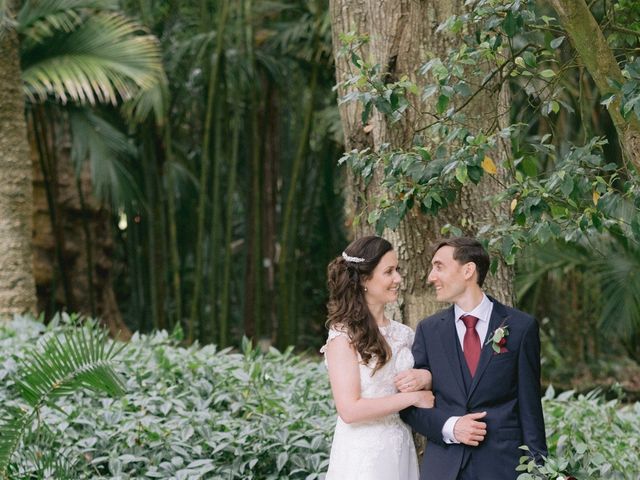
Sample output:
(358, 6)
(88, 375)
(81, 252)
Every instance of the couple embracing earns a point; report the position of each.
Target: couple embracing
(469, 379)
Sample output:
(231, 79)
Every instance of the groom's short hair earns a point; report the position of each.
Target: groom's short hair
(465, 250)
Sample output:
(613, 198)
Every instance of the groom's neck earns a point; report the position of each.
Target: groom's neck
(471, 298)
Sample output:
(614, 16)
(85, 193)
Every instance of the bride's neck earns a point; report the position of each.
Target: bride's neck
(377, 311)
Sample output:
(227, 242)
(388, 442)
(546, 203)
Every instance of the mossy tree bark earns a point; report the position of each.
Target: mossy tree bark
(596, 55)
(402, 37)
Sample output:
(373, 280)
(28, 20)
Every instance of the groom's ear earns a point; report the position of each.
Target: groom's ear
(469, 270)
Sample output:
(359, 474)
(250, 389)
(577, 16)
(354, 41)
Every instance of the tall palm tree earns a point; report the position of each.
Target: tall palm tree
(80, 54)
(17, 287)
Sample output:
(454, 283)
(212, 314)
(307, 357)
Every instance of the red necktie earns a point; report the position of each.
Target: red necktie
(471, 343)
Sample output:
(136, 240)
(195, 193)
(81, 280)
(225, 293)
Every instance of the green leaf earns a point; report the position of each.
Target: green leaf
(530, 166)
(556, 42)
(429, 91)
(510, 24)
(548, 73)
(530, 59)
(443, 102)
(462, 174)
(103, 60)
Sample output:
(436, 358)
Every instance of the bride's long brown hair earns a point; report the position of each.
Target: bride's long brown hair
(347, 309)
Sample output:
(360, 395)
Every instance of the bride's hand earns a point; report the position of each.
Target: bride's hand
(424, 399)
(413, 380)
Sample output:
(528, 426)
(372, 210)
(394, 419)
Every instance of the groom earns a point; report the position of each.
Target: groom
(485, 361)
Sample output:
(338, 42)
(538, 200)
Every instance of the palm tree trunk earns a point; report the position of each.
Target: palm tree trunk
(148, 230)
(287, 249)
(17, 285)
(88, 245)
(253, 315)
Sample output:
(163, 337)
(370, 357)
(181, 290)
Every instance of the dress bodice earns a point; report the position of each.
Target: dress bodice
(379, 449)
(400, 338)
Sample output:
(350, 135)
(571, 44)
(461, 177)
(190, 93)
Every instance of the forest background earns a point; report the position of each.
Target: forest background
(193, 166)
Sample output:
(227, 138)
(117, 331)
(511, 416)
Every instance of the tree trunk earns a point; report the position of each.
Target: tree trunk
(17, 285)
(402, 34)
(594, 51)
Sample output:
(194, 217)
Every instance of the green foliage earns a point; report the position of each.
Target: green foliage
(629, 91)
(563, 177)
(80, 50)
(207, 413)
(61, 363)
(588, 437)
(190, 412)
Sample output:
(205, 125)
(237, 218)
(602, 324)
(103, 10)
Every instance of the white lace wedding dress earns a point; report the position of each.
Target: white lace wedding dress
(380, 449)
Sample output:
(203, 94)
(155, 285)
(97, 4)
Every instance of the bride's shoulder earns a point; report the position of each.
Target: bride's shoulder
(336, 330)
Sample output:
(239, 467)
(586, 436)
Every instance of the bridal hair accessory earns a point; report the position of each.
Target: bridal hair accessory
(351, 259)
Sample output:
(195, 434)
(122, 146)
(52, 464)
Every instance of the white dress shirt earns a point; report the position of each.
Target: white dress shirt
(483, 313)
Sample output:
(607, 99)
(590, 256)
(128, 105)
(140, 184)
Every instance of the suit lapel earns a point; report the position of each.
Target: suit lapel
(449, 337)
(498, 316)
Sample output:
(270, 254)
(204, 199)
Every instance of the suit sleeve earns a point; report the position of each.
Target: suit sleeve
(426, 421)
(529, 397)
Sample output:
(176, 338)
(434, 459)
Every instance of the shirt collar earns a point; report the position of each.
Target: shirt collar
(481, 312)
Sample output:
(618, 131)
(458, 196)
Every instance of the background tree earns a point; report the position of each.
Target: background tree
(382, 71)
(17, 286)
(572, 184)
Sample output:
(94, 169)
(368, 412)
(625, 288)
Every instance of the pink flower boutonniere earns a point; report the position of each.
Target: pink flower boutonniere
(498, 339)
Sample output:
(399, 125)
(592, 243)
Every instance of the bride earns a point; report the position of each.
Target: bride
(370, 367)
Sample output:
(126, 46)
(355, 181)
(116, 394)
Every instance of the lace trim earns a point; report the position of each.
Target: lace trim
(333, 333)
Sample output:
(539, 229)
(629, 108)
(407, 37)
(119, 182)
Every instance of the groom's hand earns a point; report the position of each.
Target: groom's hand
(469, 430)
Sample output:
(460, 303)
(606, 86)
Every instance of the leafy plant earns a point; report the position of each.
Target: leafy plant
(60, 364)
(191, 412)
(588, 437)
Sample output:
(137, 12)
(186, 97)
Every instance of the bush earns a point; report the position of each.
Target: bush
(202, 413)
(588, 438)
(189, 412)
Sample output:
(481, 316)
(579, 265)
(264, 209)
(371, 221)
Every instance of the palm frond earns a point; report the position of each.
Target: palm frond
(151, 100)
(37, 17)
(42, 458)
(620, 274)
(104, 60)
(13, 423)
(76, 359)
(105, 147)
(38, 20)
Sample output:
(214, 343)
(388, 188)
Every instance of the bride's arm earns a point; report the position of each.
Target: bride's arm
(344, 375)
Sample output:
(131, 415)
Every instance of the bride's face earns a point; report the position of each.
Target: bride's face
(384, 284)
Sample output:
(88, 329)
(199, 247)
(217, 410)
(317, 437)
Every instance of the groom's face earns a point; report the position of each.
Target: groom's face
(447, 275)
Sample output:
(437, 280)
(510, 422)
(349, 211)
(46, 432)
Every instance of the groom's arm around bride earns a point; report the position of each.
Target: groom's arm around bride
(484, 358)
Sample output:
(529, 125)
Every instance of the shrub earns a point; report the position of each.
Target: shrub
(588, 438)
(190, 412)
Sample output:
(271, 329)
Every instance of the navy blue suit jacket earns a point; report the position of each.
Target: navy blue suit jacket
(506, 386)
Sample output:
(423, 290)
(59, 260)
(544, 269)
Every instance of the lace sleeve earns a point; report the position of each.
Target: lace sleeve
(333, 333)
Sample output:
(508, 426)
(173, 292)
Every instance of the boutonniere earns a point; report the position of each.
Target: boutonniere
(498, 339)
